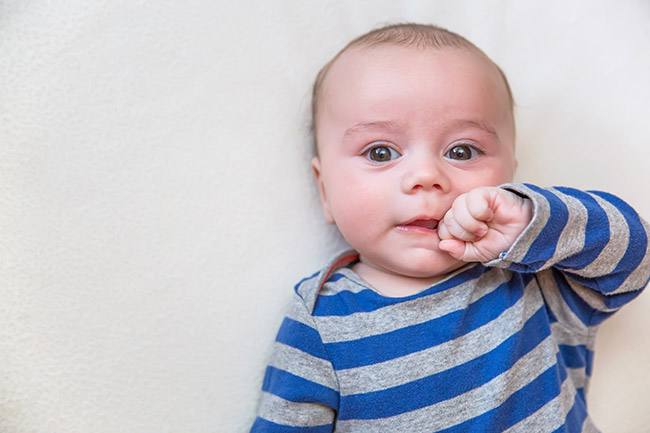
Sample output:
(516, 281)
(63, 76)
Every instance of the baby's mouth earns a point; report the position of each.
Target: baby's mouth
(419, 224)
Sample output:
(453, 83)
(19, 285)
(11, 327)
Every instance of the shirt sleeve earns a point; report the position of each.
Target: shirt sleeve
(300, 392)
(592, 246)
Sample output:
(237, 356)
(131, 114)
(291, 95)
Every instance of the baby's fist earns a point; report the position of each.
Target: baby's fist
(483, 223)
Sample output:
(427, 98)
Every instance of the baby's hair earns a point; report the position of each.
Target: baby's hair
(403, 35)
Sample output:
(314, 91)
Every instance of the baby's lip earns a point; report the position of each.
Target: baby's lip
(423, 222)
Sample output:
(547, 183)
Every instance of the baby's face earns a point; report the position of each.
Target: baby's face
(401, 133)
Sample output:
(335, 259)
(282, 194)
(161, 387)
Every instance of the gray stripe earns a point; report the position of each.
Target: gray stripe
(551, 415)
(566, 335)
(519, 248)
(468, 405)
(281, 411)
(354, 284)
(578, 377)
(302, 364)
(309, 289)
(425, 363)
(572, 238)
(365, 324)
(593, 298)
(555, 301)
(638, 278)
(589, 427)
(619, 238)
(299, 312)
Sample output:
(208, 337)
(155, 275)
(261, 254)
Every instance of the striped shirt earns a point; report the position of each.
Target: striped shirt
(501, 346)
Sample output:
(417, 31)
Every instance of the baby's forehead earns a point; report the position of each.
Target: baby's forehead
(355, 55)
(356, 61)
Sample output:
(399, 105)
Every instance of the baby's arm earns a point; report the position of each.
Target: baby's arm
(593, 244)
(483, 223)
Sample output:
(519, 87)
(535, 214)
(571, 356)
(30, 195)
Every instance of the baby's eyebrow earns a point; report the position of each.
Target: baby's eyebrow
(371, 126)
(475, 123)
(390, 125)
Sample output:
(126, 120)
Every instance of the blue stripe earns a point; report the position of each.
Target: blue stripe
(596, 230)
(449, 383)
(590, 362)
(519, 406)
(574, 356)
(588, 315)
(297, 389)
(296, 288)
(334, 278)
(264, 426)
(544, 246)
(636, 248)
(302, 337)
(411, 339)
(346, 302)
(549, 313)
(579, 307)
(612, 301)
(576, 416)
(615, 302)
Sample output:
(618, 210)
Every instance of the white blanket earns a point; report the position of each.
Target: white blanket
(157, 205)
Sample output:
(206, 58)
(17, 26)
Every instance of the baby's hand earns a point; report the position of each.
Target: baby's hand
(483, 223)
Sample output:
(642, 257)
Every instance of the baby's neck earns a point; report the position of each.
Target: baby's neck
(394, 285)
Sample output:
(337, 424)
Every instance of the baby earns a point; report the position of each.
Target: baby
(469, 303)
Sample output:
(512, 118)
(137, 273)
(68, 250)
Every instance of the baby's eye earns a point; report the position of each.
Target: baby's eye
(382, 154)
(462, 152)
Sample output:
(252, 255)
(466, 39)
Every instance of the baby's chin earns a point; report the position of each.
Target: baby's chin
(427, 274)
(423, 263)
(422, 271)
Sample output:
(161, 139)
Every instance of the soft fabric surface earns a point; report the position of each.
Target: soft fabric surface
(157, 206)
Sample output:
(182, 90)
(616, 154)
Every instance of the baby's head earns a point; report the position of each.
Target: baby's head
(410, 35)
(406, 118)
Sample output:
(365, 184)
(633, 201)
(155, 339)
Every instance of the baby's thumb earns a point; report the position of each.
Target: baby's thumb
(453, 247)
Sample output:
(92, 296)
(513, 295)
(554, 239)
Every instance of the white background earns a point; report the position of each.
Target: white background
(156, 204)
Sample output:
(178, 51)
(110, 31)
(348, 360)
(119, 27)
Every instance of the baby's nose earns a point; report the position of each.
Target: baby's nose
(425, 174)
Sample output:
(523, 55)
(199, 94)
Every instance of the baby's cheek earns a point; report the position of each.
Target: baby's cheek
(356, 220)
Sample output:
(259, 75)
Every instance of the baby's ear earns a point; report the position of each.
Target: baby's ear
(327, 213)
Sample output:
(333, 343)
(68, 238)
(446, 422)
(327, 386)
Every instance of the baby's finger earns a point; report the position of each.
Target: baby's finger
(478, 202)
(443, 232)
(464, 220)
(458, 230)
